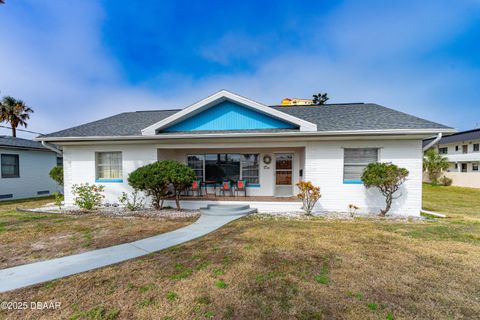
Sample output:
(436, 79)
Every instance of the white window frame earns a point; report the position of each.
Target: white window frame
(355, 181)
(97, 165)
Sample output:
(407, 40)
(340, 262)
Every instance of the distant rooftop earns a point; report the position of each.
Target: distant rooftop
(473, 134)
(19, 143)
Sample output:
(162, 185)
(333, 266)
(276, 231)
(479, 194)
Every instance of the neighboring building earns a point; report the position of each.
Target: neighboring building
(463, 152)
(297, 102)
(226, 136)
(25, 165)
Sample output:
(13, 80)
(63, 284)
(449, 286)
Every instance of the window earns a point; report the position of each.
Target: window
(109, 166)
(355, 161)
(232, 166)
(476, 147)
(443, 150)
(464, 167)
(474, 166)
(10, 166)
(222, 166)
(456, 148)
(196, 163)
(465, 148)
(60, 161)
(250, 171)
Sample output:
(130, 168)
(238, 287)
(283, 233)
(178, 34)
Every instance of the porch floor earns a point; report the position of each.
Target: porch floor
(211, 197)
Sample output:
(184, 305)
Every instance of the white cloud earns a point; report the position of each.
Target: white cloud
(58, 64)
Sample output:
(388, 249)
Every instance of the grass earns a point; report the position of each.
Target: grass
(27, 237)
(293, 269)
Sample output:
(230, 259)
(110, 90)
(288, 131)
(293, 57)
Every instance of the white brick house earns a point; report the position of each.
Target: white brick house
(226, 136)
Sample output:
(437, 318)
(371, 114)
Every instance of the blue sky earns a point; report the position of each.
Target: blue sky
(79, 61)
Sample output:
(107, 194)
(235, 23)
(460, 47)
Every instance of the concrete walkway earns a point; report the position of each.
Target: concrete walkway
(38, 272)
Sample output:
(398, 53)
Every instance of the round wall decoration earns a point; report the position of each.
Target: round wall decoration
(267, 159)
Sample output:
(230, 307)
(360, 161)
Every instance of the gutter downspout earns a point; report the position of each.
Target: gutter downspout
(46, 145)
(439, 136)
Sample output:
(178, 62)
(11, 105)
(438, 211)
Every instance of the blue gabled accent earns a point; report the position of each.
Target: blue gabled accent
(228, 115)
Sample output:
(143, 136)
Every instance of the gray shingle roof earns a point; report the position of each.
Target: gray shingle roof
(19, 143)
(123, 124)
(329, 117)
(468, 135)
(357, 116)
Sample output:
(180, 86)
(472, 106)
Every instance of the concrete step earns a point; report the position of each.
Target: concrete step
(227, 210)
(232, 207)
(228, 213)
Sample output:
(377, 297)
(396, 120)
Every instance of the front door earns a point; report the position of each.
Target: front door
(283, 174)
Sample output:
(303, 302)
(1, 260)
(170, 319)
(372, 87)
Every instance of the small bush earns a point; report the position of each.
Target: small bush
(352, 210)
(58, 199)
(57, 174)
(446, 181)
(88, 196)
(156, 179)
(137, 202)
(309, 194)
(387, 177)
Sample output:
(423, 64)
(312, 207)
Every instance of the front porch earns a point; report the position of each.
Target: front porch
(268, 174)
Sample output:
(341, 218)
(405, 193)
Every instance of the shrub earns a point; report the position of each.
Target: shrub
(352, 209)
(57, 174)
(156, 178)
(152, 180)
(434, 164)
(309, 194)
(88, 196)
(137, 202)
(58, 199)
(387, 177)
(179, 176)
(446, 181)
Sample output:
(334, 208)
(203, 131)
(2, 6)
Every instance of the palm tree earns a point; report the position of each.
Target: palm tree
(14, 112)
(434, 164)
(320, 98)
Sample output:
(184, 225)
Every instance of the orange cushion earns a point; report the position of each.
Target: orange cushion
(240, 184)
(226, 185)
(195, 184)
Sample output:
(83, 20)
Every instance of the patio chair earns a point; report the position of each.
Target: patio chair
(196, 187)
(226, 186)
(241, 186)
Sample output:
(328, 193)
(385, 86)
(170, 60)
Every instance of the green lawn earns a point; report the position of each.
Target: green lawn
(265, 268)
(27, 237)
(458, 203)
